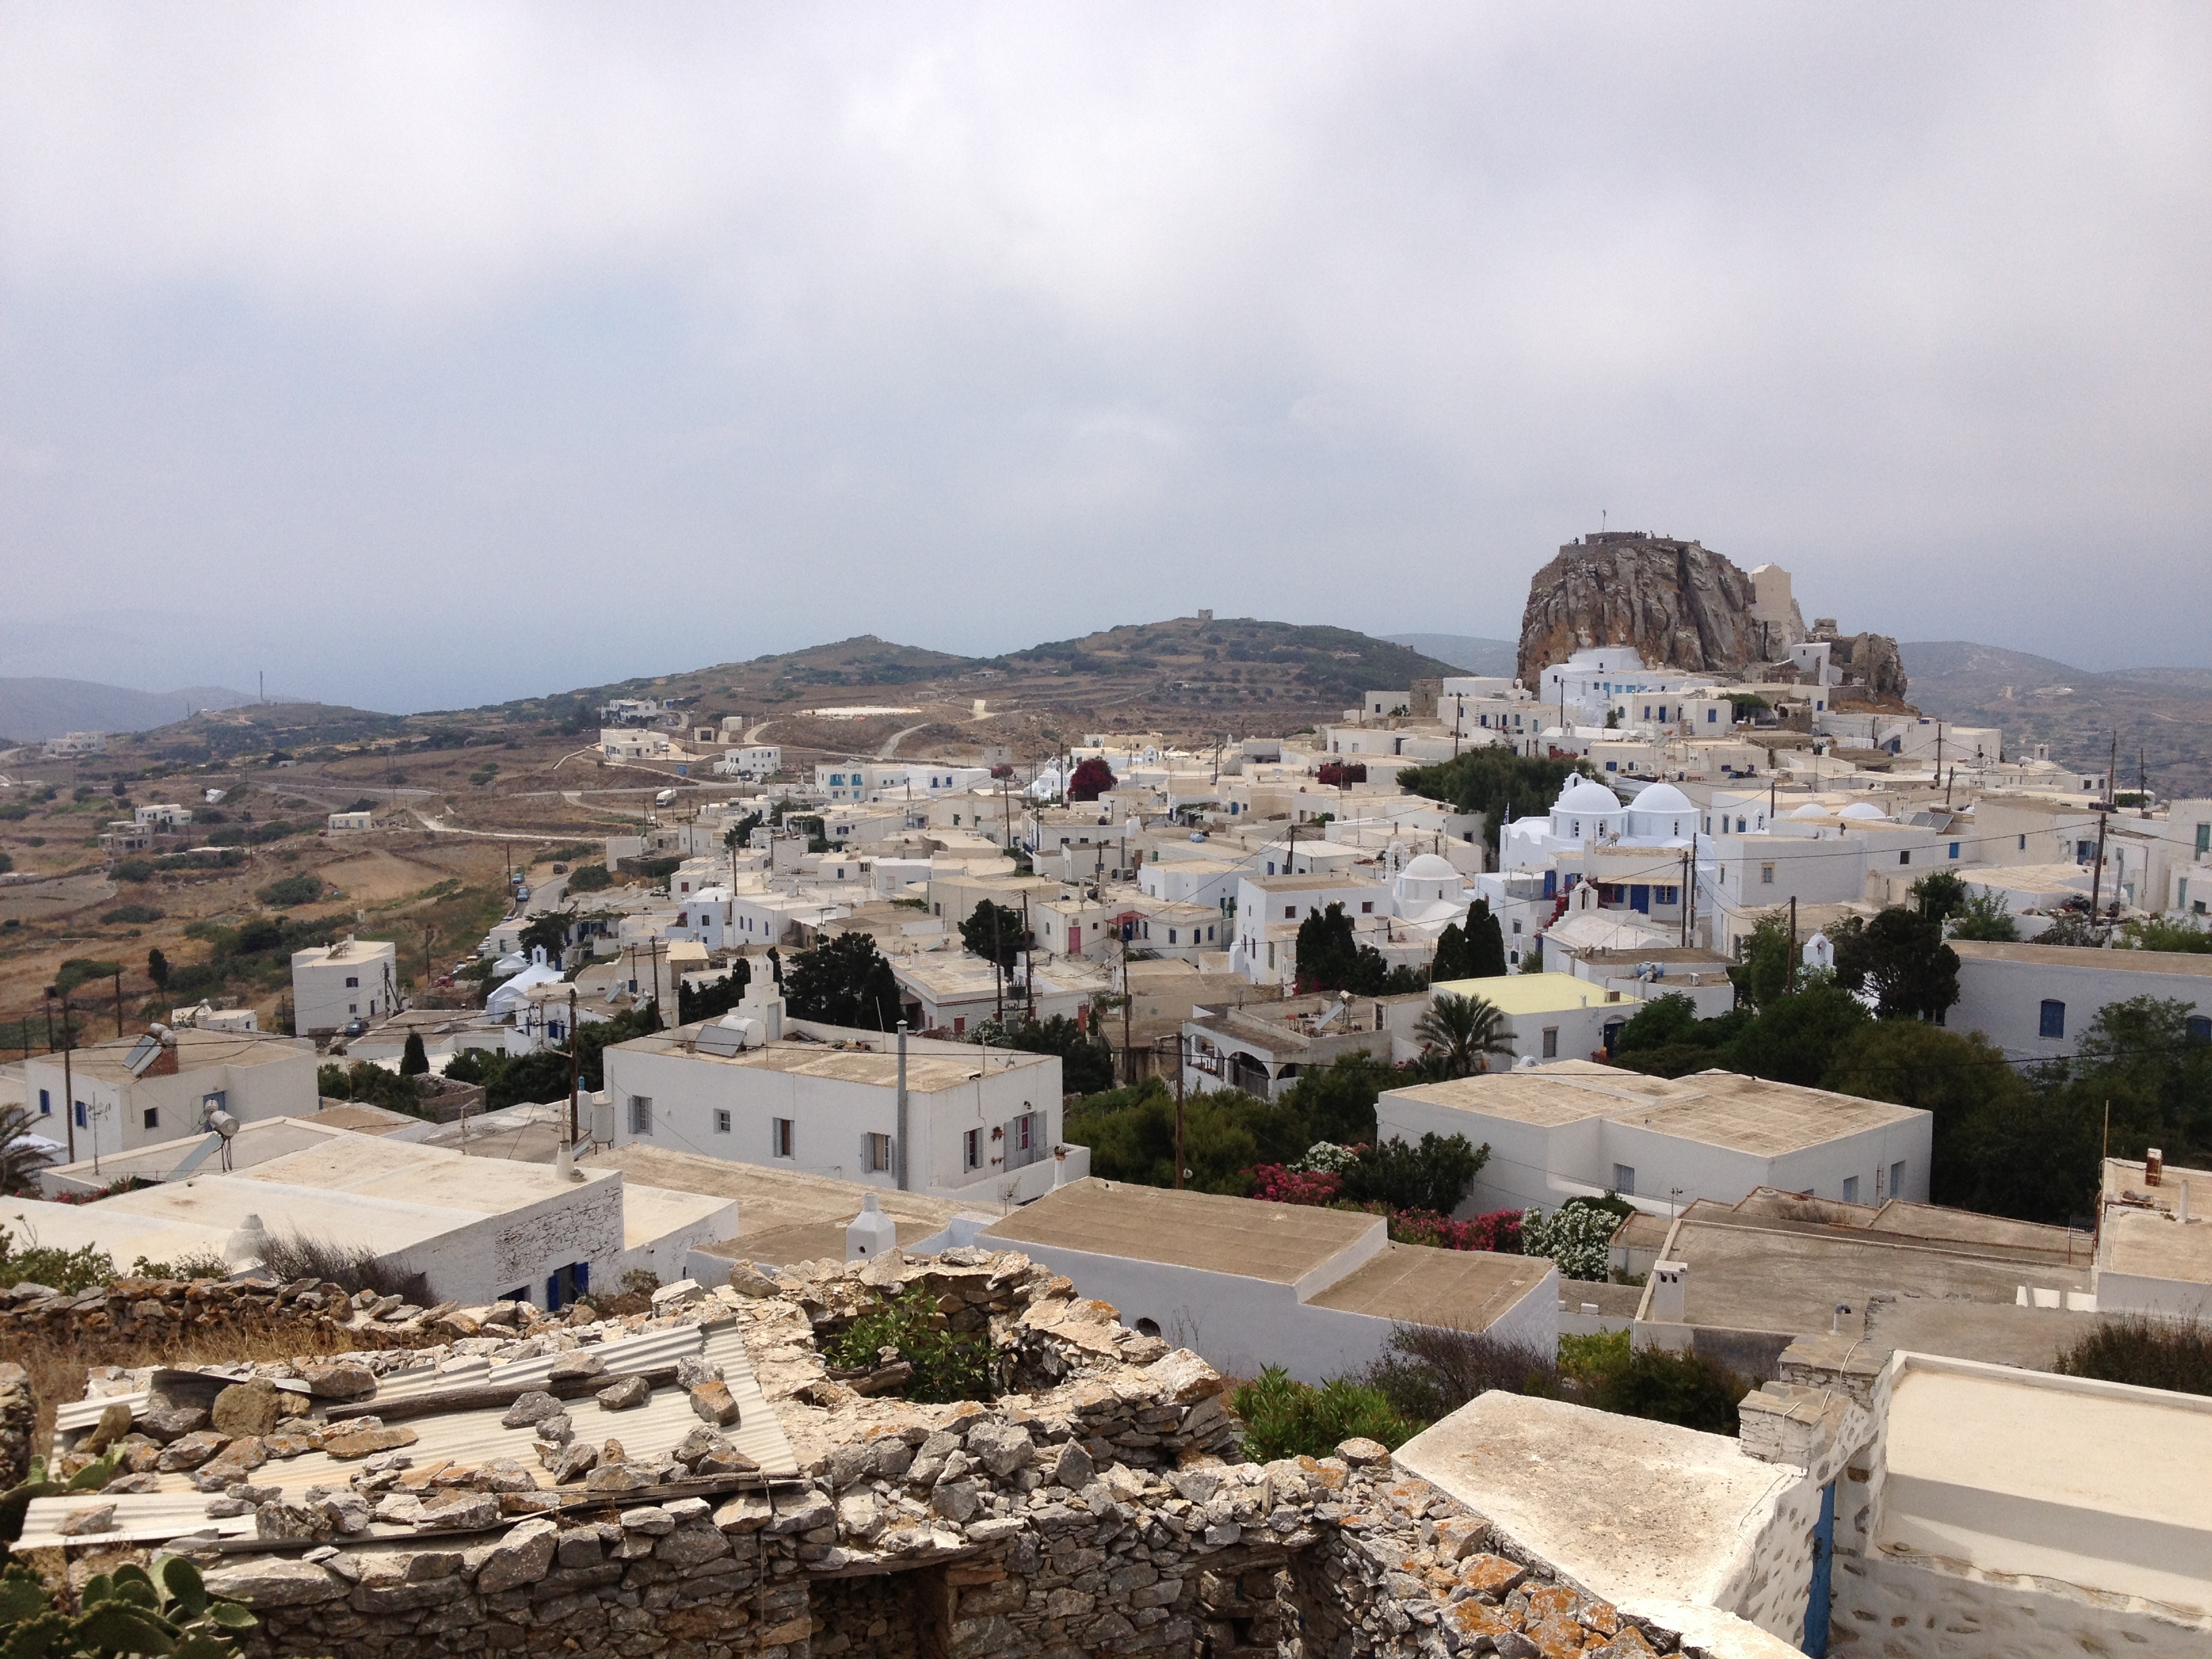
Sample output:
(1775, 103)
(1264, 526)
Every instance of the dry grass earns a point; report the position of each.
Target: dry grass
(59, 1367)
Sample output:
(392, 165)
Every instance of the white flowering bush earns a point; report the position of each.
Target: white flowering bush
(1578, 1239)
(1326, 1155)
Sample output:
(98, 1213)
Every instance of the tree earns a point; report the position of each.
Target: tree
(1330, 960)
(1434, 1176)
(1985, 916)
(157, 967)
(1959, 1077)
(1794, 1037)
(413, 1062)
(1452, 959)
(994, 932)
(550, 929)
(1940, 894)
(1131, 1135)
(1091, 778)
(1485, 941)
(844, 983)
(19, 1161)
(718, 998)
(1762, 971)
(1901, 957)
(1465, 1030)
(2157, 934)
(1086, 1060)
(1337, 1101)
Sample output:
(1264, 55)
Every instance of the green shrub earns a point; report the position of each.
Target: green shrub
(130, 916)
(589, 879)
(282, 895)
(131, 870)
(947, 1366)
(1283, 1418)
(71, 1271)
(83, 970)
(184, 1266)
(2148, 1355)
(1578, 1236)
(1665, 1386)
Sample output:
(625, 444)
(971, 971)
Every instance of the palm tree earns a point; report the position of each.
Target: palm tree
(1465, 1032)
(20, 1160)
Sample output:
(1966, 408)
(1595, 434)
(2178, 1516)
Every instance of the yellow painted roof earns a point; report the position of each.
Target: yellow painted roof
(1535, 993)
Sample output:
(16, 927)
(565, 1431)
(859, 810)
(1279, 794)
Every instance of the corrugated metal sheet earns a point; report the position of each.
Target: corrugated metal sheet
(470, 1437)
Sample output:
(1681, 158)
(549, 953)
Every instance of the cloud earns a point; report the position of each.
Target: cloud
(972, 325)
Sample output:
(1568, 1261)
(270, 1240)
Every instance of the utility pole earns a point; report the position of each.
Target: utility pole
(1128, 997)
(998, 961)
(69, 1081)
(2142, 780)
(1181, 1041)
(1028, 956)
(1793, 942)
(575, 1065)
(1683, 907)
(2097, 874)
(118, 1002)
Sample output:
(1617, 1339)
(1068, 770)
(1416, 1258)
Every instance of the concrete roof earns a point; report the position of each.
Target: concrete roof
(1716, 1108)
(1537, 993)
(925, 1073)
(1418, 1283)
(2139, 1231)
(194, 1049)
(2088, 955)
(783, 1216)
(1279, 1243)
(2096, 1484)
(1631, 1508)
(1341, 878)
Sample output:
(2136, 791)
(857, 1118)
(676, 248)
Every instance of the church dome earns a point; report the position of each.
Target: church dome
(1863, 810)
(1587, 795)
(1661, 798)
(1810, 810)
(1430, 867)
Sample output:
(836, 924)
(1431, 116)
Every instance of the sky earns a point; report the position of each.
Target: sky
(428, 355)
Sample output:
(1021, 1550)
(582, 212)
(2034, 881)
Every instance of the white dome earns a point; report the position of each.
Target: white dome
(1862, 809)
(1661, 798)
(1430, 867)
(1587, 795)
(1810, 810)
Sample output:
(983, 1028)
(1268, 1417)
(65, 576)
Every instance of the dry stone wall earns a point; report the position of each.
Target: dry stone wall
(1099, 1505)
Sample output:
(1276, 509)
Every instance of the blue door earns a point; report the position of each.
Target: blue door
(1824, 1556)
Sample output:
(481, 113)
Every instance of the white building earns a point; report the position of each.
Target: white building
(1246, 1284)
(333, 985)
(479, 1228)
(978, 1123)
(164, 817)
(350, 822)
(627, 744)
(130, 1092)
(1597, 679)
(1550, 1016)
(752, 760)
(1580, 1129)
(2036, 1001)
(75, 743)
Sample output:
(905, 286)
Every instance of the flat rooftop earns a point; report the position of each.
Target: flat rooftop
(2088, 955)
(195, 1050)
(1417, 1284)
(1629, 1507)
(783, 1216)
(1539, 994)
(925, 1073)
(2139, 1228)
(1278, 1243)
(2094, 1484)
(1715, 1108)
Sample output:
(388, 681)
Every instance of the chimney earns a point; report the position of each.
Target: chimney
(1668, 1282)
(2154, 1166)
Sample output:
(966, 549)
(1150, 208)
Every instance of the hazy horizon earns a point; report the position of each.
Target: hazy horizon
(426, 357)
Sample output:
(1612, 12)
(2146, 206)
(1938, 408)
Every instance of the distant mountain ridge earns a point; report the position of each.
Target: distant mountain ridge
(1469, 654)
(34, 708)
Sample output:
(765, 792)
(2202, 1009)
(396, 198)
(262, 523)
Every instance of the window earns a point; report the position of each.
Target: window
(1738, 825)
(2023, 843)
(153, 1117)
(353, 981)
(1897, 1177)
(81, 1119)
(971, 1150)
(1289, 911)
(2054, 1018)
(564, 1285)
(1711, 716)
(1624, 1179)
(876, 1153)
(2199, 1028)
(45, 1103)
(778, 1137)
(1550, 1042)
(1767, 875)
(1024, 1139)
(1850, 1190)
(1904, 857)
(721, 1123)
(1367, 907)
(640, 1114)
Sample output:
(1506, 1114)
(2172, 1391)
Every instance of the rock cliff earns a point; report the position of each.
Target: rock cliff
(1680, 606)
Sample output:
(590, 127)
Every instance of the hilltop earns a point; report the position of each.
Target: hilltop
(34, 707)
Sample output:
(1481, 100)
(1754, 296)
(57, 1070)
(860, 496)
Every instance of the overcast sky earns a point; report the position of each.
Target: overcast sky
(426, 356)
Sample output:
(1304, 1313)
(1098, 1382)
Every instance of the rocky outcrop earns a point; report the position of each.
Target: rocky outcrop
(1682, 605)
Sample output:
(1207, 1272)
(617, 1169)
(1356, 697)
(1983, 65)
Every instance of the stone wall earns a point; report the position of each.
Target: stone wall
(19, 1413)
(1100, 1507)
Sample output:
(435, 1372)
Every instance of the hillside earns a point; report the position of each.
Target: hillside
(1468, 654)
(2161, 717)
(33, 709)
(1235, 662)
